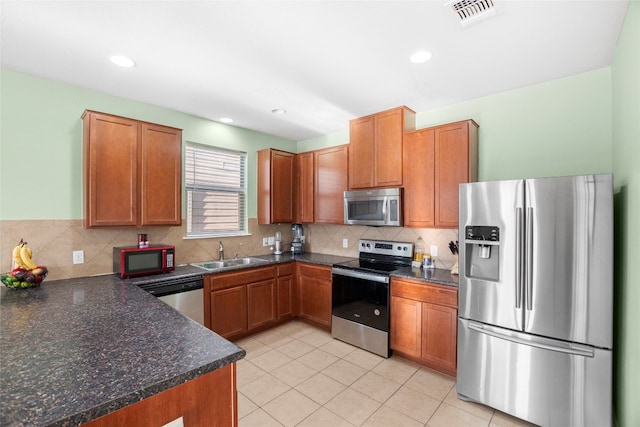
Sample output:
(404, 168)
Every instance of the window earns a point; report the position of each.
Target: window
(216, 192)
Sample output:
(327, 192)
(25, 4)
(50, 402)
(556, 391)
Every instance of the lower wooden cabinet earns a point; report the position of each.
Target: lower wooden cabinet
(261, 303)
(424, 323)
(209, 400)
(239, 303)
(228, 313)
(314, 293)
(285, 290)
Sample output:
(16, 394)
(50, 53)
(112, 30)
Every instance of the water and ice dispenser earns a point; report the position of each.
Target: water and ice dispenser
(482, 252)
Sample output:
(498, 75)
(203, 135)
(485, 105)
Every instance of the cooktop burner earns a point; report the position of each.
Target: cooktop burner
(381, 256)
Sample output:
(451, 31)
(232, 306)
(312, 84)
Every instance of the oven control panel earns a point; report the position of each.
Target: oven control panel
(383, 247)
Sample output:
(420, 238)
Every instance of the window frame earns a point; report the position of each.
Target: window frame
(194, 183)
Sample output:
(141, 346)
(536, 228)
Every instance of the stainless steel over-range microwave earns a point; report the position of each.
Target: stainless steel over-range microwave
(377, 207)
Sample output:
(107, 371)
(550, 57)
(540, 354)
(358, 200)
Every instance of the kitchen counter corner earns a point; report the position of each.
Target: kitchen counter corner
(74, 350)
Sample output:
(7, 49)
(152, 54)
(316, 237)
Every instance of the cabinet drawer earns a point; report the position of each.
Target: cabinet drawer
(285, 269)
(227, 280)
(320, 272)
(425, 292)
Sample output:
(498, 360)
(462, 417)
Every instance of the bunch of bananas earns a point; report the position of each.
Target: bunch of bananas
(25, 273)
(22, 256)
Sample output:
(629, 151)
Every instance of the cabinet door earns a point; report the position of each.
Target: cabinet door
(160, 175)
(261, 303)
(111, 170)
(406, 326)
(306, 188)
(229, 311)
(388, 148)
(418, 178)
(314, 284)
(330, 184)
(285, 297)
(454, 164)
(282, 179)
(439, 329)
(361, 152)
(275, 186)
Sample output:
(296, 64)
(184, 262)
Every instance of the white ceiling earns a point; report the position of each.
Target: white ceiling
(325, 62)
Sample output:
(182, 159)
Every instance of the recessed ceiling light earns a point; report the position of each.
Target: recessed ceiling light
(279, 111)
(122, 61)
(226, 120)
(420, 56)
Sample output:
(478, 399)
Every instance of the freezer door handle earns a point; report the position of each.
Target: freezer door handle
(518, 280)
(529, 254)
(569, 348)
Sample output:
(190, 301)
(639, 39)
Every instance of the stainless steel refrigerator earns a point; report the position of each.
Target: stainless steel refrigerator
(536, 298)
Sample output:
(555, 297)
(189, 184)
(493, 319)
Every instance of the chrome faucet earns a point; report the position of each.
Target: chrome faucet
(221, 251)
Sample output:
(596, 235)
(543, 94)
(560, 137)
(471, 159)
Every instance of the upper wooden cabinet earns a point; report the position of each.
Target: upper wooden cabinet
(306, 187)
(322, 181)
(330, 184)
(376, 156)
(436, 161)
(132, 172)
(276, 177)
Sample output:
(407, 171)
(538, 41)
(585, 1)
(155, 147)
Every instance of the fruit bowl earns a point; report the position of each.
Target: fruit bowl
(23, 279)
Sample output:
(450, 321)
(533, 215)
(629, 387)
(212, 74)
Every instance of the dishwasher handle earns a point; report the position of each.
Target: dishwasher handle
(173, 286)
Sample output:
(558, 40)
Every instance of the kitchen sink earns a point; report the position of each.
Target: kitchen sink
(215, 265)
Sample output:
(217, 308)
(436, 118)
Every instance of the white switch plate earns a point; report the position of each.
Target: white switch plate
(434, 250)
(265, 241)
(78, 257)
(272, 240)
(345, 243)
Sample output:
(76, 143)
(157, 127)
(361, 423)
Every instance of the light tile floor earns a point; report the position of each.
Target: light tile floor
(298, 375)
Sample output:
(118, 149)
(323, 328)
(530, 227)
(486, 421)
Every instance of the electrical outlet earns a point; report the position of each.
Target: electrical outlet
(271, 240)
(434, 250)
(265, 241)
(345, 243)
(78, 257)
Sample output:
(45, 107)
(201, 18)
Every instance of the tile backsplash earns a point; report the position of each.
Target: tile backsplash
(53, 243)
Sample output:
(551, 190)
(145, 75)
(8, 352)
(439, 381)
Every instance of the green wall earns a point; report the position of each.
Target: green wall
(41, 143)
(626, 167)
(561, 127)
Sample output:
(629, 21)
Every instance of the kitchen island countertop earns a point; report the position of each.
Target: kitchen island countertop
(76, 349)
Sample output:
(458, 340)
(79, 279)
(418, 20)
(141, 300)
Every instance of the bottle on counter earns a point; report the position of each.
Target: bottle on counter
(418, 253)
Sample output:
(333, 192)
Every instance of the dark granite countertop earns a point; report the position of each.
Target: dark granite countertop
(434, 275)
(322, 259)
(74, 350)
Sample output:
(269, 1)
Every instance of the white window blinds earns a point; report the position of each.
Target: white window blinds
(216, 191)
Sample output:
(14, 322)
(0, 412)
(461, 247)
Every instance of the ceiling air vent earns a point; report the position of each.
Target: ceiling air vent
(472, 10)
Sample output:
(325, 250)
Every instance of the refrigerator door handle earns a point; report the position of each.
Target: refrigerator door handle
(529, 266)
(518, 257)
(569, 348)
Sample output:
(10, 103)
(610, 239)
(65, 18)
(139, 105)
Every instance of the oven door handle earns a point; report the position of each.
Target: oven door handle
(360, 275)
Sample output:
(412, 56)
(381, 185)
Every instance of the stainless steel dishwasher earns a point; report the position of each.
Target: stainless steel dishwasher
(185, 294)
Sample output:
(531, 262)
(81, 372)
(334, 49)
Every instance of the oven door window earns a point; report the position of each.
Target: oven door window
(362, 301)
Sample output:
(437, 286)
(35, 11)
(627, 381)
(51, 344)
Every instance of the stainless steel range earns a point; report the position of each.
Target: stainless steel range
(360, 294)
